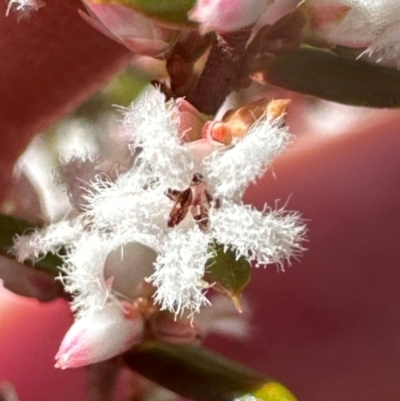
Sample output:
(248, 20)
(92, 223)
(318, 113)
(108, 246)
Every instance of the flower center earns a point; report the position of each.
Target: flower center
(195, 199)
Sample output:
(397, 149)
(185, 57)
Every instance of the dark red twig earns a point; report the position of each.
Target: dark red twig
(221, 73)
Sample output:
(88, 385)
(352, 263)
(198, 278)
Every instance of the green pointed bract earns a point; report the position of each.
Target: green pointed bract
(173, 12)
(229, 273)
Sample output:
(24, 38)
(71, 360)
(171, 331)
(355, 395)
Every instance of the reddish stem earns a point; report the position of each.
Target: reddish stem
(221, 73)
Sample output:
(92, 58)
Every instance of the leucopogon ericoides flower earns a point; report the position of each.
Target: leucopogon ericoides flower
(162, 216)
(370, 24)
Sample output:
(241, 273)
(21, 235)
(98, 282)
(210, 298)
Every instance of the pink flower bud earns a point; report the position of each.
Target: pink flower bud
(101, 335)
(227, 15)
(140, 34)
(236, 123)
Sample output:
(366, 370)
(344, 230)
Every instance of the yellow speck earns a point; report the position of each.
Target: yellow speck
(274, 392)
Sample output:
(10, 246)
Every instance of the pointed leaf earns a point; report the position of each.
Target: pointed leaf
(230, 275)
(202, 375)
(323, 74)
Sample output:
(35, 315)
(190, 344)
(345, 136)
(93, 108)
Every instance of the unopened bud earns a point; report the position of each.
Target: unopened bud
(101, 335)
(236, 123)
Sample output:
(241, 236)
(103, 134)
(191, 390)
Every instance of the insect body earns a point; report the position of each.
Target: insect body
(195, 199)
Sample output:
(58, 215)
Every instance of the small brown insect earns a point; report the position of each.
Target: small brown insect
(195, 199)
(183, 200)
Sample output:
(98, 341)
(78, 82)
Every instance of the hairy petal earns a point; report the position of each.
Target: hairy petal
(153, 126)
(84, 273)
(386, 47)
(231, 172)
(372, 24)
(262, 237)
(49, 239)
(179, 269)
(76, 174)
(132, 213)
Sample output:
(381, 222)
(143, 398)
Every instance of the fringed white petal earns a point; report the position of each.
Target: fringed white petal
(154, 127)
(262, 237)
(231, 172)
(84, 273)
(179, 269)
(49, 239)
(131, 213)
(386, 47)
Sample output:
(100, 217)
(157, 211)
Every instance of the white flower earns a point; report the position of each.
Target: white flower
(24, 7)
(204, 181)
(179, 269)
(370, 24)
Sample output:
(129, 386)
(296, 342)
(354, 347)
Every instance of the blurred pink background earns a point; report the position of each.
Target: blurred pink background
(328, 328)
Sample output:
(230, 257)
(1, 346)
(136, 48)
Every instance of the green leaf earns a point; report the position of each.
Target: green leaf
(231, 275)
(170, 11)
(324, 74)
(202, 375)
(11, 226)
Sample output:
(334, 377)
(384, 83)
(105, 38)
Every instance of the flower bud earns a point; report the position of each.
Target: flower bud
(140, 34)
(236, 123)
(103, 334)
(227, 15)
